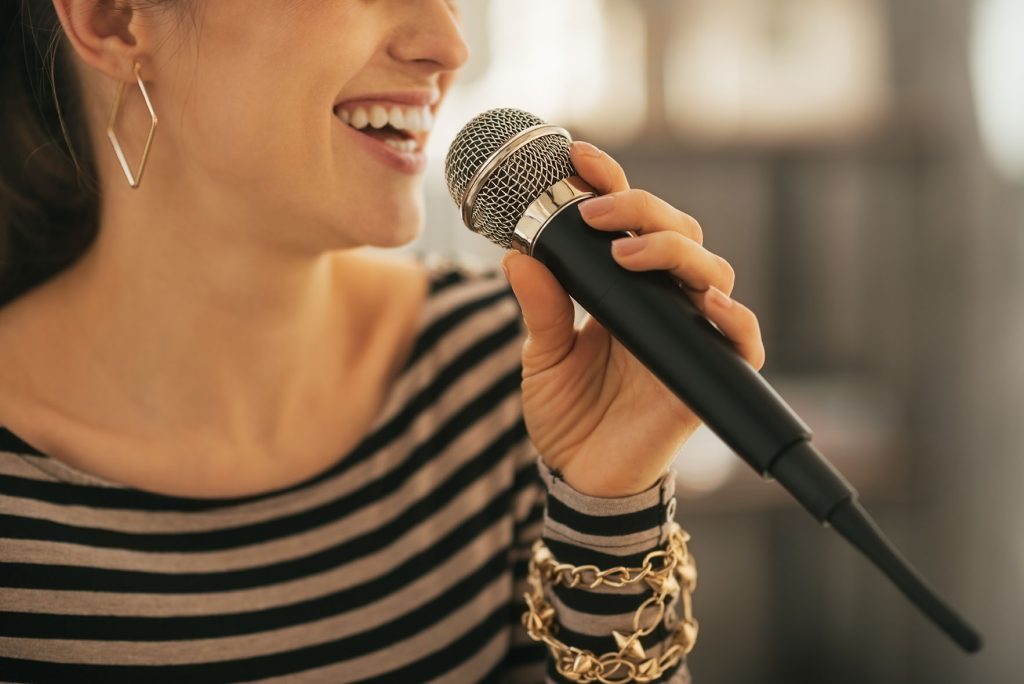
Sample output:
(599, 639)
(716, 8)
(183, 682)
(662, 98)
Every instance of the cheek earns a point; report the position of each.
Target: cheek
(246, 111)
(257, 126)
(270, 149)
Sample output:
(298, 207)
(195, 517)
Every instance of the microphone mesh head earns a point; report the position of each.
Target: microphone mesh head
(510, 187)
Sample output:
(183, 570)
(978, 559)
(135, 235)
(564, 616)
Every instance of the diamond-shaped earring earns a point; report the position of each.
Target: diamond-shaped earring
(133, 178)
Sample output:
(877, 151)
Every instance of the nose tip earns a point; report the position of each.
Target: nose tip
(460, 50)
(434, 36)
(449, 53)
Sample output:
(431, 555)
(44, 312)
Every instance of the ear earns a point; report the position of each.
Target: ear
(107, 35)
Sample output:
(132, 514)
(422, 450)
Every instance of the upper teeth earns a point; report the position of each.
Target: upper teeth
(414, 119)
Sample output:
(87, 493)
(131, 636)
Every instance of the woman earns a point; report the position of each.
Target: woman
(238, 447)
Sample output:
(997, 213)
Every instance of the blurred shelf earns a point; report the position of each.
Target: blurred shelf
(856, 425)
(903, 134)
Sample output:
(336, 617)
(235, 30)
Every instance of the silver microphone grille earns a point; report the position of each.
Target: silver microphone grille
(494, 193)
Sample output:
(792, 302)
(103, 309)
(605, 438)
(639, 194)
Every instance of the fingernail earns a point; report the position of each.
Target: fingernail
(596, 206)
(586, 149)
(718, 298)
(504, 263)
(626, 246)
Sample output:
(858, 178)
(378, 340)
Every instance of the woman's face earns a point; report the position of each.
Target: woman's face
(254, 113)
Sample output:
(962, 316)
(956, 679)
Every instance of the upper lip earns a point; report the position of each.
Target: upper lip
(413, 98)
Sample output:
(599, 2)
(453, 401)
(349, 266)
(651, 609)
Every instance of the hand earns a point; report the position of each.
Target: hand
(593, 411)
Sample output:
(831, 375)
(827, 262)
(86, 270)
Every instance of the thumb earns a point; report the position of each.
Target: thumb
(547, 312)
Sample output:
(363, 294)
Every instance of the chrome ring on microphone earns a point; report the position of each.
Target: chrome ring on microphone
(539, 213)
(522, 138)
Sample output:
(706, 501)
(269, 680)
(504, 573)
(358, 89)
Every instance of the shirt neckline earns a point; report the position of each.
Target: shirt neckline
(10, 442)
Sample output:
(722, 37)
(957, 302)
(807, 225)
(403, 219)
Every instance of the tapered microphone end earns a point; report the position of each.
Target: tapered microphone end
(852, 522)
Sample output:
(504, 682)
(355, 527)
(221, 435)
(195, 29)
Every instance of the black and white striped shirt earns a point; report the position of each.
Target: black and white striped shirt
(405, 561)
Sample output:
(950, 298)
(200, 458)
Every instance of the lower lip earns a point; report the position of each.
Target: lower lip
(410, 163)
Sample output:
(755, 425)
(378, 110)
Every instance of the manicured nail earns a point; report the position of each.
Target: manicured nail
(626, 246)
(596, 206)
(586, 149)
(718, 298)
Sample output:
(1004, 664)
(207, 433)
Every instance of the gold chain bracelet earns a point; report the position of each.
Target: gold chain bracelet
(668, 572)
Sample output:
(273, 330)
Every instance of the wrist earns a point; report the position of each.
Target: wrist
(609, 490)
(594, 488)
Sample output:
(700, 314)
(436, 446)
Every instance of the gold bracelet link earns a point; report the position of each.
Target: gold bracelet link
(669, 572)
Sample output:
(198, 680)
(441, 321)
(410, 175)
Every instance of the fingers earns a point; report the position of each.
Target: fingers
(685, 259)
(737, 322)
(667, 239)
(640, 211)
(599, 170)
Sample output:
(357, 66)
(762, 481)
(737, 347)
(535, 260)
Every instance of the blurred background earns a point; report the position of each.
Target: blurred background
(861, 164)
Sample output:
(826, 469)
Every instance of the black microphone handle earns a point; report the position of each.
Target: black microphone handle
(653, 318)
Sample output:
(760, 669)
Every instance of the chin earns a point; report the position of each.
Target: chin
(397, 227)
(394, 238)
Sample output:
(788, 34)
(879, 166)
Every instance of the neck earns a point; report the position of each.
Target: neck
(208, 331)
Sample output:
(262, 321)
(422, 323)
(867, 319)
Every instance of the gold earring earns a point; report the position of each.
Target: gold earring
(133, 179)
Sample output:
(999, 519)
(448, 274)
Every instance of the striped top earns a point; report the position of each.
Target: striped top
(404, 561)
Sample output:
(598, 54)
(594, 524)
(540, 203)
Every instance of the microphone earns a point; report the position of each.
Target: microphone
(510, 174)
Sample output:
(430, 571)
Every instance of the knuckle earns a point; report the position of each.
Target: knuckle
(745, 322)
(753, 327)
(639, 211)
(698, 232)
(728, 272)
(617, 168)
(750, 320)
(676, 243)
(644, 201)
(677, 240)
(563, 319)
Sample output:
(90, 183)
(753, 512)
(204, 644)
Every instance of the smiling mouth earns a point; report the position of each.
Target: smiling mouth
(402, 128)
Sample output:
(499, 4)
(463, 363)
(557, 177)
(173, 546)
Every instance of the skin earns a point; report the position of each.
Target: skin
(227, 309)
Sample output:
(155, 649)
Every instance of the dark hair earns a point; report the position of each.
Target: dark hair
(49, 191)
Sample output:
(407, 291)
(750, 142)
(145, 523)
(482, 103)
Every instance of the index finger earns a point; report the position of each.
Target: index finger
(599, 170)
